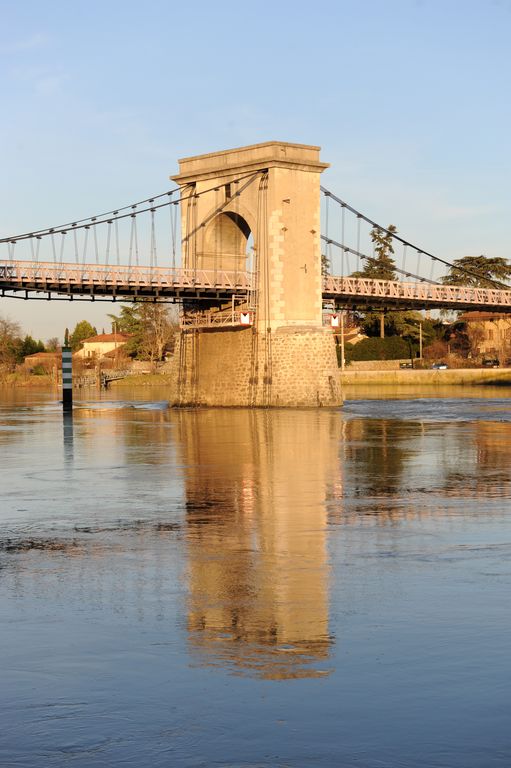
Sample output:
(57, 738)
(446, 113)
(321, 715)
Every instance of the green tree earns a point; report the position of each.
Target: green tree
(129, 321)
(391, 348)
(83, 330)
(30, 346)
(479, 272)
(381, 266)
(404, 324)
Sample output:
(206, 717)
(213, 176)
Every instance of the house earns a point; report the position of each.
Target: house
(99, 346)
(49, 361)
(489, 334)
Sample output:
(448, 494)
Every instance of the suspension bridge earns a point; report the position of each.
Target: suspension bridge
(246, 238)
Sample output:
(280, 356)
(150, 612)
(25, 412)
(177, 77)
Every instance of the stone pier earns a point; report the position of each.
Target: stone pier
(257, 208)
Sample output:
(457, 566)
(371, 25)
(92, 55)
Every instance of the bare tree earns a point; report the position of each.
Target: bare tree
(53, 344)
(10, 343)
(159, 331)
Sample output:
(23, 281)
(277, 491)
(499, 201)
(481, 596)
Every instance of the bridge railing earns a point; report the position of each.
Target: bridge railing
(216, 319)
(20, 273)
(179, 282)
(429, 293)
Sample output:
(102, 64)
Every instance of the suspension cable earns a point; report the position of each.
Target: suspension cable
(495, 283)
(372, 260)
(117, 214)
(90, 219)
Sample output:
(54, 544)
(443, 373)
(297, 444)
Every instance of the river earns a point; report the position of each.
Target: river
(251, 588)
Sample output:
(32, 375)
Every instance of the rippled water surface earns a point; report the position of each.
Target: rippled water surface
(255, 588)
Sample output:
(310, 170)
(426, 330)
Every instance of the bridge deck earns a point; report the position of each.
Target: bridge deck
(121, 281)
(95, 280)
(362, 292)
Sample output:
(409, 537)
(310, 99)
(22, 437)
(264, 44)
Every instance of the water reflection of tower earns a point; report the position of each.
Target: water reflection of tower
(256, 487)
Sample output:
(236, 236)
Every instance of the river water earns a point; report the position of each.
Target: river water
(256, 588)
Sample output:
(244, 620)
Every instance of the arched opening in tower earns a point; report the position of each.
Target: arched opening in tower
(228, 243)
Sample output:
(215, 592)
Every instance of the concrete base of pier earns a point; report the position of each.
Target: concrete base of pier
(293, 367)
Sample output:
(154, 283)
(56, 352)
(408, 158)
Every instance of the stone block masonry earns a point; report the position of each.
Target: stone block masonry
(304, 368)
(293, 367)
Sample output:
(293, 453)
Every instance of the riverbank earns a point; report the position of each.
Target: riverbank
(407, 377)
(143, 380)
(429, 378)
(17, 380)
(25, 380)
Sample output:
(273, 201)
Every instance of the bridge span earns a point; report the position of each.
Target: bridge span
(95, 281)
(254, 250)
(363, 293)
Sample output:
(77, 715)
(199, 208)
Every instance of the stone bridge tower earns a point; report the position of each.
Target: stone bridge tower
(257, 209)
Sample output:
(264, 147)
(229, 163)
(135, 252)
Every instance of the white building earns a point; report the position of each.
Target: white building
(99, 346)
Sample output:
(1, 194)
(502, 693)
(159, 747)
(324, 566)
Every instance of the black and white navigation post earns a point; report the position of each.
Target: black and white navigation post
(67, 379)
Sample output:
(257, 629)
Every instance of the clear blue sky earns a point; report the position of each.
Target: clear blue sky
(409, 100)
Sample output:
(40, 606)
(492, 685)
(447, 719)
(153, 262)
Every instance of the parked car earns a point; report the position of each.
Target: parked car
(439, 366)
(490, 363)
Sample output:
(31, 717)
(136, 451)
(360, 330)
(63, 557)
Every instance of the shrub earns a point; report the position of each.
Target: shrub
(390, 348)
(39, 370)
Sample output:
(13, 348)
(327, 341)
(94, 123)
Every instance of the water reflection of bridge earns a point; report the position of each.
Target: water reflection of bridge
(237, 515)
(251, 523)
